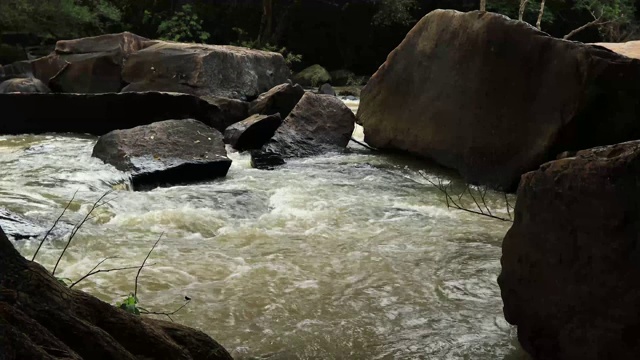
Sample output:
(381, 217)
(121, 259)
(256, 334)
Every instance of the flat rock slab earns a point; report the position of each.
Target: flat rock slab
(97, 114)
(216, 70)
(253, 132)
(165, 153)
(317, 125)
(494, 98)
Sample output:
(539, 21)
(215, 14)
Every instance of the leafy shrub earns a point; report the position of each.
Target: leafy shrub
(183, 26)
(243, 40)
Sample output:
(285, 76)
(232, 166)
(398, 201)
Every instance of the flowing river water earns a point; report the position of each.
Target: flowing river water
(343, 256)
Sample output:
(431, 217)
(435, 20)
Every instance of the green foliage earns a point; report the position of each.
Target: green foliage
(130, 304)
(616, 17)
(184, 26)
(391, 12)
(59, 18)
(243, 40)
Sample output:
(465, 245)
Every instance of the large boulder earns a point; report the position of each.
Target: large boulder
(43, 319)
(125, 43)
(168, 152)
(279, 100)
(87, 65)
(225, 71)
(253, 132)
(98, 114)
(570, 274)
(314, 75)
(317, 125)
(23, 85)
(495, 98)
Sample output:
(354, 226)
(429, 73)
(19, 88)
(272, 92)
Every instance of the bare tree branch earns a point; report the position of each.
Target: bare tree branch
(482, 210)
(597, 20)
(167, 314)
(135, 289)
(92, 272)
(54, 225)
(77, 227)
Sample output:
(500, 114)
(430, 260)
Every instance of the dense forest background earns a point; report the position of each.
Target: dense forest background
(355, 35)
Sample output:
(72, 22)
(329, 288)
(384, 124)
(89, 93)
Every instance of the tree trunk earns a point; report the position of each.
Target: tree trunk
(523, 7)
(539, 22)
(483, 5)
(266, 24)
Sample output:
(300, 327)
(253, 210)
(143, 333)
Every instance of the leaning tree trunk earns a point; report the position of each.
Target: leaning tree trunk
(266, 24)
(523, 7)
(43, 319)
(539, 22)
(483, 5)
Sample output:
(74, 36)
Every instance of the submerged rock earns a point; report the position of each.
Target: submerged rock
(495, 98)
(18, 227)
(570, 275)
(165, 153)
(43, 319)
(216, 70)
(98, 114)
(314, 75)
(317, 125)
(23, 85)
(280, 99)
(253, 132)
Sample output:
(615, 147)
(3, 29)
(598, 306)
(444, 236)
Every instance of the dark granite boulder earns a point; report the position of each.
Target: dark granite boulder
(165, 153)
(253, 132)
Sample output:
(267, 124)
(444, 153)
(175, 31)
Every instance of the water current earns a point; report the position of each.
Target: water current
(342, 256)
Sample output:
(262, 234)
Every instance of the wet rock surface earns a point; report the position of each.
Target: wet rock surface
(165, 153)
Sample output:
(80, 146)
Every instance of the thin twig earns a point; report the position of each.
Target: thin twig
(451, 203)
(135, 289)
(91, 273)
(76, 228)
(167, 314)
(506, 199)
(54, 225)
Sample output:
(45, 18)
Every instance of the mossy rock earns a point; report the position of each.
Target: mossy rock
(314, 75)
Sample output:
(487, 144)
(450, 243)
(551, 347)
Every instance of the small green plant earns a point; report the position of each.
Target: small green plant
(290, 58)
(130, 304)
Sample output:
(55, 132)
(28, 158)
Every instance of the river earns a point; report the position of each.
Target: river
(343, 256)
